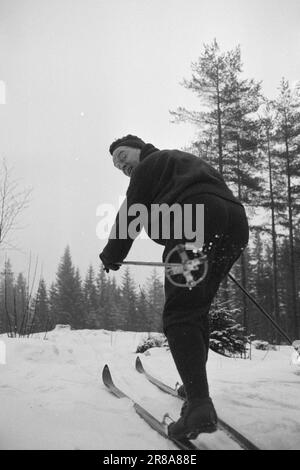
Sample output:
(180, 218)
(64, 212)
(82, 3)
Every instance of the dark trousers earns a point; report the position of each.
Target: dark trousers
(185, 315)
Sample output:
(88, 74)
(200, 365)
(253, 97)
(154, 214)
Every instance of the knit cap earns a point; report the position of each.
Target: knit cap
(129, 141)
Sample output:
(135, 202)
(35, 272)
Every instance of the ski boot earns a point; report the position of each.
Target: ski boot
(197, 417)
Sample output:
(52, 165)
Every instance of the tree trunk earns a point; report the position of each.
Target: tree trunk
(220, 137)
(291, 238)
(274, 241)
(243, 264)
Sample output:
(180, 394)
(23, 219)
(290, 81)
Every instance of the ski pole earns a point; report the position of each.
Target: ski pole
(278, 328)
(150, 263)
(185, 268)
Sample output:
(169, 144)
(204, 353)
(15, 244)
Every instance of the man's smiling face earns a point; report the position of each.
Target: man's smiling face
(126, 159)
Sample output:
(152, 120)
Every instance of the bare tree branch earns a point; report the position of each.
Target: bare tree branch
(13, 201)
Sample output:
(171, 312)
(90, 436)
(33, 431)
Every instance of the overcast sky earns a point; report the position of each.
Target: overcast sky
(80, 73)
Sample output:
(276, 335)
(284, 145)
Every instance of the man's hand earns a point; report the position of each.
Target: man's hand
(107, 265)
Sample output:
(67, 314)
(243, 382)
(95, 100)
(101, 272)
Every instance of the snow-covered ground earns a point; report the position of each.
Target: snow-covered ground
(52, 397)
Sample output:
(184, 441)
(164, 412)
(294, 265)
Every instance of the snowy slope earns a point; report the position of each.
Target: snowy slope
(52, 397)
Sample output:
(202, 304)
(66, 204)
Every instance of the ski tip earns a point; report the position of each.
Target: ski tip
(138, 365)
(106, 372)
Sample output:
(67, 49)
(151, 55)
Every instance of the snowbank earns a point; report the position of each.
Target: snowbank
(52, 396)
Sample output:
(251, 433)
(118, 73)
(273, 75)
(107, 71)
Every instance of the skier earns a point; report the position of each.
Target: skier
(173, 176)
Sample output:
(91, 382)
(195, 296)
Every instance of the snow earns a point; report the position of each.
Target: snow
(52, 397)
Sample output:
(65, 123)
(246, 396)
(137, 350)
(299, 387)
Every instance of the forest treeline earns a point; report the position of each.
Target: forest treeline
(255, 144)
(98, 302)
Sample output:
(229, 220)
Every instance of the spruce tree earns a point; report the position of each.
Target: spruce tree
(115, 315)
(79, 314)
(40, 313)
(256, 283)
(21, 299)
(7, 305)
(128, 302)
(68, 301)
(104, 307)
(143, 312)
(90, 299)
(155, 294)
(227, 337)
(53, 302)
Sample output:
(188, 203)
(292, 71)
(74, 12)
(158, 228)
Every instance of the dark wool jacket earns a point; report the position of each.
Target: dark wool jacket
(165, 176)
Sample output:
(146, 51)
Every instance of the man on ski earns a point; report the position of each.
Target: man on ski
(169, 177)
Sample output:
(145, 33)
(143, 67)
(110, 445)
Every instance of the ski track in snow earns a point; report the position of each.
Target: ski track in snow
(52, 396)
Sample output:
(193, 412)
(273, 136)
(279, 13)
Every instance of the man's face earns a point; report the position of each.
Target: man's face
(126, 159)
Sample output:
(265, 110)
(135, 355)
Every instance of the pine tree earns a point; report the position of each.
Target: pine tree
(285, 280)
(287, 108)
(226, 126)
(271, 195)
(242, 166)
(211, 77)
